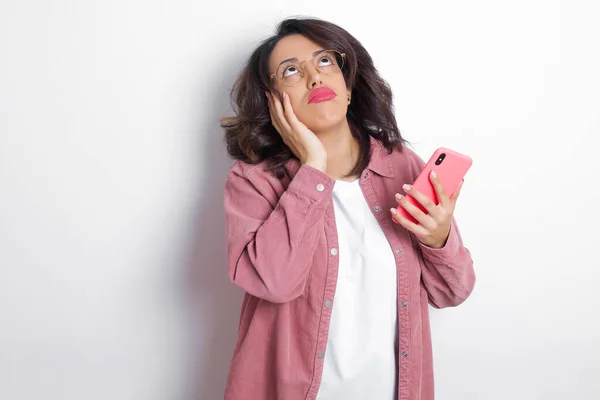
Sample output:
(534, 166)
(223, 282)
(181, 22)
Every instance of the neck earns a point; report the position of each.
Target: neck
(342, 151)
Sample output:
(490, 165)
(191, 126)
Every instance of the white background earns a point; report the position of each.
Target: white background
(113, 277)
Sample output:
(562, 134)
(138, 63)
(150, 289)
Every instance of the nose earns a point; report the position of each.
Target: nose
(313, 77)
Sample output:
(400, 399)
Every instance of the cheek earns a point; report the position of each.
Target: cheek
(296, 98)
(340, 83)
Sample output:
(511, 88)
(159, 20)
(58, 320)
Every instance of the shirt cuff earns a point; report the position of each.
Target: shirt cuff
(312, 183)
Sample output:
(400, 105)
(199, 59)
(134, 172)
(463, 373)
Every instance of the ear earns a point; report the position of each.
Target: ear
(349, 96)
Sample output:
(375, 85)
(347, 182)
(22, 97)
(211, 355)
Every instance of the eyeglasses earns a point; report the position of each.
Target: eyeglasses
(327, 62)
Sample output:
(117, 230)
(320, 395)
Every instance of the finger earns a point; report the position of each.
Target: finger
(439, 189)
(289, 111)
(269, 105)
(279, 114)
(274, 120)
(425, 220)
(456, 193)
(272, 110)
(425, 201)
(409, 225)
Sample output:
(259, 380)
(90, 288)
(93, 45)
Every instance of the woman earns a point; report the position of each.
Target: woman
(336, 287)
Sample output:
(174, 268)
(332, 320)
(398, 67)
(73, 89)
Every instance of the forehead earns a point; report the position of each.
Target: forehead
(293, 46)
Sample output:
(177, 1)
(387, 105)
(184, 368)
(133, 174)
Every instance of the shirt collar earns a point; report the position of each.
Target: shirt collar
(380, 162)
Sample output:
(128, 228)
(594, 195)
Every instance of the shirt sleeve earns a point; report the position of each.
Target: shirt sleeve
(270, 247)
(448, 274)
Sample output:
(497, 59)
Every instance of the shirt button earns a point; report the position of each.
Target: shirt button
(321, 355)
(366, 175)
(403, 304)
(377, 208)
(398, 251)
(328, 303)
(334, 251)
(320, 187)
(404, 354)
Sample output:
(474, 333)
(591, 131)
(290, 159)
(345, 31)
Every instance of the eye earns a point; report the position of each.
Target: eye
(290, 70)
(326, 60)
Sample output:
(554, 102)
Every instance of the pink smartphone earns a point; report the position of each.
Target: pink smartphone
(450, 166)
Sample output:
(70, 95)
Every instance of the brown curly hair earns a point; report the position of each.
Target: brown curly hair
(250, 136)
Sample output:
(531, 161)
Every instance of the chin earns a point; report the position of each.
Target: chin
(323, 122)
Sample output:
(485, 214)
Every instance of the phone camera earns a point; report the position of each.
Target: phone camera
(440, 159)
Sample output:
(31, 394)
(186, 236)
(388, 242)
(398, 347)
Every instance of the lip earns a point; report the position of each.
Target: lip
(321, 94)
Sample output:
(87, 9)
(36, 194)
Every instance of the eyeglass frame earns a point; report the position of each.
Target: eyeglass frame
(342, 55)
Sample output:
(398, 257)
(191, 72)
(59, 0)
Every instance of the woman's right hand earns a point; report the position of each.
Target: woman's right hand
(301, 140)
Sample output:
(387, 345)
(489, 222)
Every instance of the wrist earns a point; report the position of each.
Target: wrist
(321, 165)
(437, 244)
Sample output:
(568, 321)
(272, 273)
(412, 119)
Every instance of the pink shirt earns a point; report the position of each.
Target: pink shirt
(282, 251)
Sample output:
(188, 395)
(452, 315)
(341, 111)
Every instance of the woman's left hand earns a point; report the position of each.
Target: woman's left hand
(433, 228)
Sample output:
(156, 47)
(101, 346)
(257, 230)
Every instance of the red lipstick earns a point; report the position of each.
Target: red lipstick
(321, 94)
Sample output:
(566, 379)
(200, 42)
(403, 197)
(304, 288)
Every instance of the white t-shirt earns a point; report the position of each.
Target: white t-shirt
(360, 360)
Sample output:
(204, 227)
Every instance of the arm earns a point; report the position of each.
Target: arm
(447, 273)
(270, 248)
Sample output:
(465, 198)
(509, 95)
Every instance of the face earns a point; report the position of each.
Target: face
(320, 109)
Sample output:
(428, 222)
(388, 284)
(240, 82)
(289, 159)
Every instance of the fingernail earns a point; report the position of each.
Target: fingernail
(267, 94)
(284, 95)
(406, 187)
(393, 211)
(433, 174)
(398, 196)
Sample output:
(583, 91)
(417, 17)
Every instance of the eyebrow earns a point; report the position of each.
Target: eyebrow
(296, 58)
